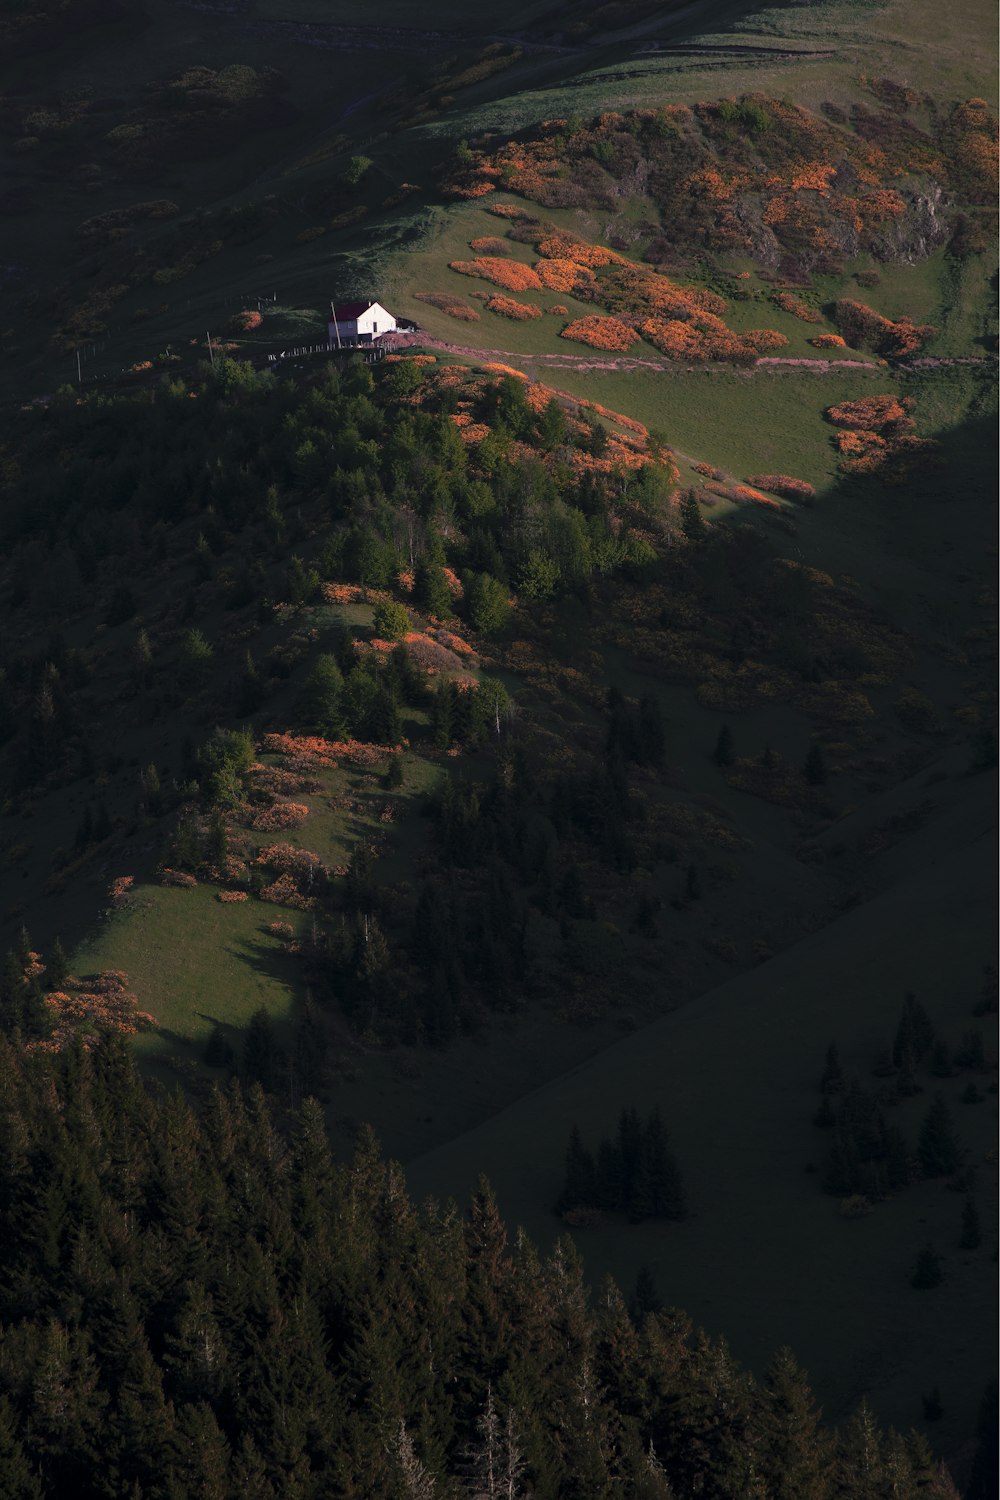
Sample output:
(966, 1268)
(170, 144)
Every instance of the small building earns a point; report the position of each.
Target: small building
(358, 323)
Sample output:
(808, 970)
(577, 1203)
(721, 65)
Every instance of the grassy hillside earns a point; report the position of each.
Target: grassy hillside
(591, 705)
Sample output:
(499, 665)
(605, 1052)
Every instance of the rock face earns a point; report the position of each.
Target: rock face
(918, 232)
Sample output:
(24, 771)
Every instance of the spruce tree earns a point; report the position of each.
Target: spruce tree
(259, 1051)
(937, 1144)
(832, 1080)
(814, 767)
(725, 749)
(927, 1270)
(57, 967)
(579, 1186)
(984, 1480)
(796, 1449)
(693, 526)
(971, 1236)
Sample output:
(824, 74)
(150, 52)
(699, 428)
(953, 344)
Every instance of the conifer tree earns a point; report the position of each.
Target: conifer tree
(725, 751)
(832, 1081)
(927, 1270)
(693, 526)
(971, 1236)
(937, 1144)
(796, 1450)
(580, 1186)
(814, 767)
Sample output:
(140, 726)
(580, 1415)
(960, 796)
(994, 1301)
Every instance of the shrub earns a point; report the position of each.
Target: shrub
(601, 333)
(506, 307)
(510, 274)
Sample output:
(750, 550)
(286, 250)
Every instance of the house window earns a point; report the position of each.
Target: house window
(374, 328)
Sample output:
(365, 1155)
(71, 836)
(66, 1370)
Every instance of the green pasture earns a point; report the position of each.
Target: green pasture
(767, 421)
(196, 962)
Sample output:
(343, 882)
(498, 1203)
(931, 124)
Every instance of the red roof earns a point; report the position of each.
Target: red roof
(346, 312)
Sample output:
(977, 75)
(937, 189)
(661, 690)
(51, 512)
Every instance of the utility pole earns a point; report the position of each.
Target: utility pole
(336, 325)
(79, 373)
(211, 351)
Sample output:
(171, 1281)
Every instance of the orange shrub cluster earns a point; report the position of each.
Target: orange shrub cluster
(177, 877)
(871, 413)
(430, 655)
(601, 333)
(285, 892)
(559, 245)
(506, 307)
(828, 341)
(561, 275)
(559, 310)
(740, 494)
(244, 322)
(864, 328)
(794, 305)
(616, 416)
(279, 815)
(306, 752)
(783, 485)
(507, 211)
(490, 244)
(277, 783)
(353, 593)
(281, 929)
(120, 889)
(81, 1012)
(303, 864)
(229, 897)
(879, 437)
(510, 274)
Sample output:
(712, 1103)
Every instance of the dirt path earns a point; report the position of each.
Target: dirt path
(768, 365)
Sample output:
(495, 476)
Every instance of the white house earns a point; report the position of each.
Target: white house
(358, 323)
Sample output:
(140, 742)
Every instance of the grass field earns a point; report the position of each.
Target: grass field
(195, 963)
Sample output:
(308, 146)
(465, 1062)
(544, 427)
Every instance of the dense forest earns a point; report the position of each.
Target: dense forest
(207, 1304)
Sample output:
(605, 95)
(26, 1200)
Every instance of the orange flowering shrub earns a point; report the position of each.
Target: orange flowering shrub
(499, 369)
(490, 245)
(177, 877)
(291, 861)
(828, 341)
(879, 438)
(510, 274)
(783, 485)
(82, 1011)
(864, 328)
(601, 333)
(796, 307)
(559, 310)
(764, 340)
(285, 892)
(352, 593)
(870, 413)
(244, 322)
(507, 211)
(281, 929)
(120, 889)
(506, 307)
(229, 897)
(280, 815)
(559, 245)
(563, 275)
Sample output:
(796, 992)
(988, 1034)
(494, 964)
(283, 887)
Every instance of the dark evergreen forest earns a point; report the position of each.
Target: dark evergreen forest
(207, 1304)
